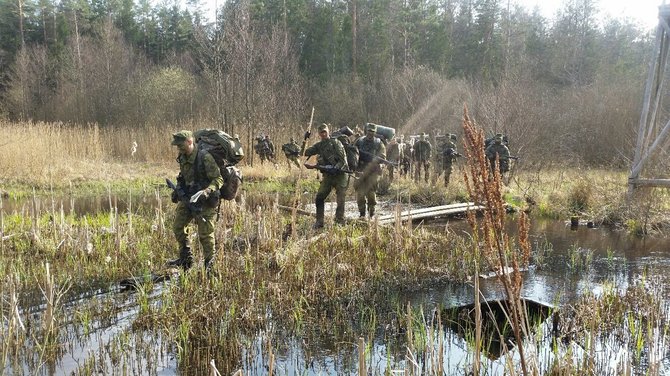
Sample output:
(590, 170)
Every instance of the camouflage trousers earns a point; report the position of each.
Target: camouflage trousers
(421, 165)
(204, 223)
(366, 192)
(328, 182)
(447, 169)
(294, 159)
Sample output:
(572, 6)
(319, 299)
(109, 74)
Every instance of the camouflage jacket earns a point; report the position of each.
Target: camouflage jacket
(497, 149)
(368, 150)
(447, 150)
(291, 149)
(422, 150)
(199, 171)
(330, 152)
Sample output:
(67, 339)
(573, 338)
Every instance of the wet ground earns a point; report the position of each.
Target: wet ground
(571, 262)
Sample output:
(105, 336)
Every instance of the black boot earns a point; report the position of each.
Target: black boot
(320, 214)
(185, 260)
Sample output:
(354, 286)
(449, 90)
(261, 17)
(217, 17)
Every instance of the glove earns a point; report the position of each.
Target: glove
(307, 134)
(207, 192)
(174, 197)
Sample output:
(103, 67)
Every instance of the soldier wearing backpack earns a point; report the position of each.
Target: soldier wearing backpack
(291, 150)
(200, 175)
(370, 150)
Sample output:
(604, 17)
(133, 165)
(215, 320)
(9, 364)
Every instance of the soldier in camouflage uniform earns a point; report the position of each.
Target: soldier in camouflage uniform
(291, 150)
(393, 154)
(197, 171)
(497, 150)
(370, 148)
(447, 156)
(421, 158)
(264, 148)
(330, 153)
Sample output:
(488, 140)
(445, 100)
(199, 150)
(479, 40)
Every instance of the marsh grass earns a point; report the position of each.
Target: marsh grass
(340, 284)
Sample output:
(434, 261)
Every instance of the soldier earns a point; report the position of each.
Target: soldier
(447, 155)
(421, 157)
(330, 153)
(270, 147)
(497, 150)
(291, 150)
(393, 154)
(198, 171)
(264, 148)
(370, 148)
(405, 156)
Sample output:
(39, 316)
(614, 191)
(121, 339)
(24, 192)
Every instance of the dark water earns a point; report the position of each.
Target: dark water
(573, 262)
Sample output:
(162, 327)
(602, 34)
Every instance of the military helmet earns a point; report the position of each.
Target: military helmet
(323, 127)
(370, 127)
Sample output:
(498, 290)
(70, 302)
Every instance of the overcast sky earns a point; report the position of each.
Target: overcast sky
(643, 12)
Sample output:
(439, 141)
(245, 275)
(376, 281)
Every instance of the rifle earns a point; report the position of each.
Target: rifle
(379, 159)
(328, 169)
(184, 197)
(450, 152)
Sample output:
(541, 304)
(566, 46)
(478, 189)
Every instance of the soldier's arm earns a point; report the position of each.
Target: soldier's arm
(213, 173)
(312, 150)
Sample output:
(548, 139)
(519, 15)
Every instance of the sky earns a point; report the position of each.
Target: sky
(643, 12)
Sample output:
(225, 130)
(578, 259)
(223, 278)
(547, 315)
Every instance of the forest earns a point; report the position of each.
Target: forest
(569, 86)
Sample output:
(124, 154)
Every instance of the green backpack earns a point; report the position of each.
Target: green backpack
(227, 152)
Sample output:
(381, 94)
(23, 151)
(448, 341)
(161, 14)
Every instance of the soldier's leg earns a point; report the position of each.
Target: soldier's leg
(295, 161)
(447, 173)
(182, 218)
(206, 235)
(341, 184)
(361, 188)
(371, 194)
(417, 171)
(320, 201)
(391, 168)
(427, 166)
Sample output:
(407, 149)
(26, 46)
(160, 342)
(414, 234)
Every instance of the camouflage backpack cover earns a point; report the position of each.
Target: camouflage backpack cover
(227, 152)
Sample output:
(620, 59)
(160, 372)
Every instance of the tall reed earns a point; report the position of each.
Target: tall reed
(491, 242)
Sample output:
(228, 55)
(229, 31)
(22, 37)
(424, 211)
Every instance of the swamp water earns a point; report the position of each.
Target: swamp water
(571, 262)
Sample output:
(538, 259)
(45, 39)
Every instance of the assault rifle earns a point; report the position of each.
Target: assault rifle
(328, 169)
(378, 159)
(450, 152)
(185, 198)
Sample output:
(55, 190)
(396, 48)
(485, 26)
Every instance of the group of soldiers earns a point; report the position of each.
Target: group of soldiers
(338, 160)
(334, 156)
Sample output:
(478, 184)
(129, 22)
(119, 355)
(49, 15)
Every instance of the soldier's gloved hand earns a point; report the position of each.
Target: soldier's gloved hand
(207, 192)
(307, 134)
(174, 197)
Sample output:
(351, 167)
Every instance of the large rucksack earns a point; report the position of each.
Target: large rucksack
(227, 152)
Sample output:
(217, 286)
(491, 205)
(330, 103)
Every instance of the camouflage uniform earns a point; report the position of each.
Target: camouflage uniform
(369, 148)
(264, 149)
(421, 158)
(292, 152)
(498, 150)
(447, 157)
(197, 171)
(330, 152)
(393, 154)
